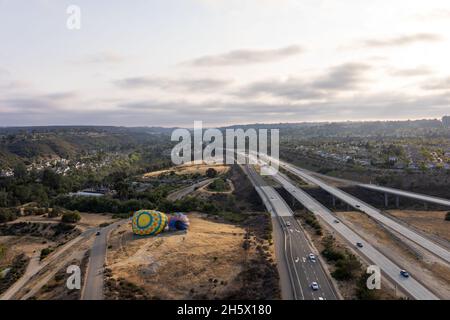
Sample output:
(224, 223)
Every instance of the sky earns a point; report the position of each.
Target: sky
(173, 62)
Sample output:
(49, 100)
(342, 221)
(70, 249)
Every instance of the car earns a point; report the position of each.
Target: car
(98, 233)
(404, 273)
(320, 298)
(315, 286)
(288, 223)
(358, 206)
(359, 244)
(312, 257)
(336, 221)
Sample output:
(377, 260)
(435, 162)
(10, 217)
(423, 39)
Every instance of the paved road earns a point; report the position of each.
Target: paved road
(389, 268)
(93, 286)
(36, 267)
(407, 194)
(371, 211)
(295, 248)
(179, 194)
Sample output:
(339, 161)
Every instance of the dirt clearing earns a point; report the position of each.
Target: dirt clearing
(207, 262)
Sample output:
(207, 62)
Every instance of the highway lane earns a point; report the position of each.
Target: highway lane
(302, 271)
(407, 194)
(371, 211)
(179, 194)
(412, 287)
(93, 284)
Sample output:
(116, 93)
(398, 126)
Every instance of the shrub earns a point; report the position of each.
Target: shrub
(211, 173)
(362, 292)
(71, 217)
(45, 252)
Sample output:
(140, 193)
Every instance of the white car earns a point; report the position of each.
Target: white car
(288, 223)
(312, 257)
(315, 286)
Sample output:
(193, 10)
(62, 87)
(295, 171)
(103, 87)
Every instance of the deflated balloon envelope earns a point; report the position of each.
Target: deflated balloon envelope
(178, 221)
(148, 222)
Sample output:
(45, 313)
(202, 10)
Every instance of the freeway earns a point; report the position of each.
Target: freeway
(407, 194)
(409, 285)
(295, 248)
(93, 285)
(371, 211)
(179, 194)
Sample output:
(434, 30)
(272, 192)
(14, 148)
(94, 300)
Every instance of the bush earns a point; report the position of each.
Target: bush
(45, 252)
(362, 292)
(55, 212)
(346, 268)
(219, 185)
(18, 267)
(71, 217)
(7, 214)
(211, 173)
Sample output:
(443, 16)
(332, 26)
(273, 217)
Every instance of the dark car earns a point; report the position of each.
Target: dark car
(404, 273)
(98, 233)
(359, 245)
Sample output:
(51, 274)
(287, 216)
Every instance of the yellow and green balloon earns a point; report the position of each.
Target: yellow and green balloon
(148, 222)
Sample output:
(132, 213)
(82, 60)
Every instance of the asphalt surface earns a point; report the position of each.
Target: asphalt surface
(375, 214)
(93, 285)
(294, 249)
(409, 285)
(407, 194)
(179, 194)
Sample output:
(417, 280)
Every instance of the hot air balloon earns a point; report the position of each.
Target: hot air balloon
(148, 222)
(178, 221)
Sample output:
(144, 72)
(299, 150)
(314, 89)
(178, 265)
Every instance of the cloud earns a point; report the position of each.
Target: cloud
(40, 103)
(439, 84)
(361, 107)
(216, 112)
(402, 40)
(344, 77)
(339, 79)
(102, 57)
(184, 84)
(413, 72)
(246, 56)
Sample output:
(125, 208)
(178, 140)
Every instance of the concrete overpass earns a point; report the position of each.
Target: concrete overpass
(407, 194)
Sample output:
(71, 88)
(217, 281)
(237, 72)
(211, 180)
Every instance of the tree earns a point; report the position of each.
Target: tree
(123, 190)
(51, 179)
(20, 171)
(447, 216)
(71, 217)
(211, 173)
(3, 199)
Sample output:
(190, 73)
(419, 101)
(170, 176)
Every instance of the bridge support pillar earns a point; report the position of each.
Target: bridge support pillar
(425, 205)
(397, 202)
(386, 200)
(333, 201)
